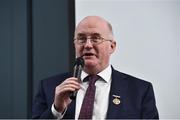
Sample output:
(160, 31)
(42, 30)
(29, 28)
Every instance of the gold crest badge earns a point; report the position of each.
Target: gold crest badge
(116, 100)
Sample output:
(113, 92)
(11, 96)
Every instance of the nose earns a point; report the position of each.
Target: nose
(88, 43)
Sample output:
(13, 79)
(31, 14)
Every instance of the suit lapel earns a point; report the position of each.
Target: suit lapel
(118, 88)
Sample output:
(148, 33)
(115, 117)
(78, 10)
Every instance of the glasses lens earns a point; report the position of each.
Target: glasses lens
(96, 40)
(81, 40)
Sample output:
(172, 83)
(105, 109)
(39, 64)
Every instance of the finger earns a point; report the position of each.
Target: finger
(67, 88)
(70, 81)
(65, 91)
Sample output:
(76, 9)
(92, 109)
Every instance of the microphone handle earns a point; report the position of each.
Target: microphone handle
(76, 74)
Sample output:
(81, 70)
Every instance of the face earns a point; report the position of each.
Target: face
(96, 57)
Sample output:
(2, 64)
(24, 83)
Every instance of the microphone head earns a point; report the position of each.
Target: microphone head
(79, 64)
(79, 61)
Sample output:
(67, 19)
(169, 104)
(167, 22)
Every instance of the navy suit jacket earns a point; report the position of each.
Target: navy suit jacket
(136, 96)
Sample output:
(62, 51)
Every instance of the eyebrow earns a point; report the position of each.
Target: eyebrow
(93, 34)
(81, 34)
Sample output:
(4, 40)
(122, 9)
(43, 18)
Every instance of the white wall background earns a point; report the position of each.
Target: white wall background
(148, 43)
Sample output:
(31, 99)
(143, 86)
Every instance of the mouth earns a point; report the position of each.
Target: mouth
(88, 54)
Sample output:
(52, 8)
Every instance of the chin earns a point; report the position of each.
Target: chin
(89, 63)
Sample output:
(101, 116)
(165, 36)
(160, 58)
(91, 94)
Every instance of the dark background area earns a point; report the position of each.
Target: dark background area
(36, 42)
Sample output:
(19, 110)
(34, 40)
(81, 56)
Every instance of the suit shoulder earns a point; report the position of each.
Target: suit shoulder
(132, 79)
(131, 83)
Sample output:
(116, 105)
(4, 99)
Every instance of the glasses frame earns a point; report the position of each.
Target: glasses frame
(99, 37)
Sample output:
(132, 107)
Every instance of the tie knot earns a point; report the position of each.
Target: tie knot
(93, 79)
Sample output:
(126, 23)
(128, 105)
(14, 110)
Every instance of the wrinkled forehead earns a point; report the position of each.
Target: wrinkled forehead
(92, 25)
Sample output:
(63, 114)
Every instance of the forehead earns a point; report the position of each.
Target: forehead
(93, 25)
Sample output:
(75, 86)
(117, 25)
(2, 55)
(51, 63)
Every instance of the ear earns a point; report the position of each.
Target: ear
(112, 46)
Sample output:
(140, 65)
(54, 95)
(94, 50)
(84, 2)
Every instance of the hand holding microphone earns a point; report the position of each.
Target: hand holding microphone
(67, 90)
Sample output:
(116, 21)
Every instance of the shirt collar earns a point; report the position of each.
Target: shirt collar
(105, 74)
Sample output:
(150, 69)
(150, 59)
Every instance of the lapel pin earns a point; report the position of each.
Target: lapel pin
(116, 99)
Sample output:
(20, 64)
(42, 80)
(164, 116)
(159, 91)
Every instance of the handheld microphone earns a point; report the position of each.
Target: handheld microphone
(79, 64)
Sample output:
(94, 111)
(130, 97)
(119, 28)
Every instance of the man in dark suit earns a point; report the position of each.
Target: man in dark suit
(116, 95)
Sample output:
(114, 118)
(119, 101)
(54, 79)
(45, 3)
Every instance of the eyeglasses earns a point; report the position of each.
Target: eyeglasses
(95, 40)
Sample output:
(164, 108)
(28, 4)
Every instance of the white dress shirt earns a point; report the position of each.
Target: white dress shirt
(101, 96)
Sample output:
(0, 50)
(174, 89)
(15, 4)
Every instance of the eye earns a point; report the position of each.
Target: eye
(81, 39)
(95, 39)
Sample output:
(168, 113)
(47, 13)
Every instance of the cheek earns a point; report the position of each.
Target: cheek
(105, 53)
(77, 49)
